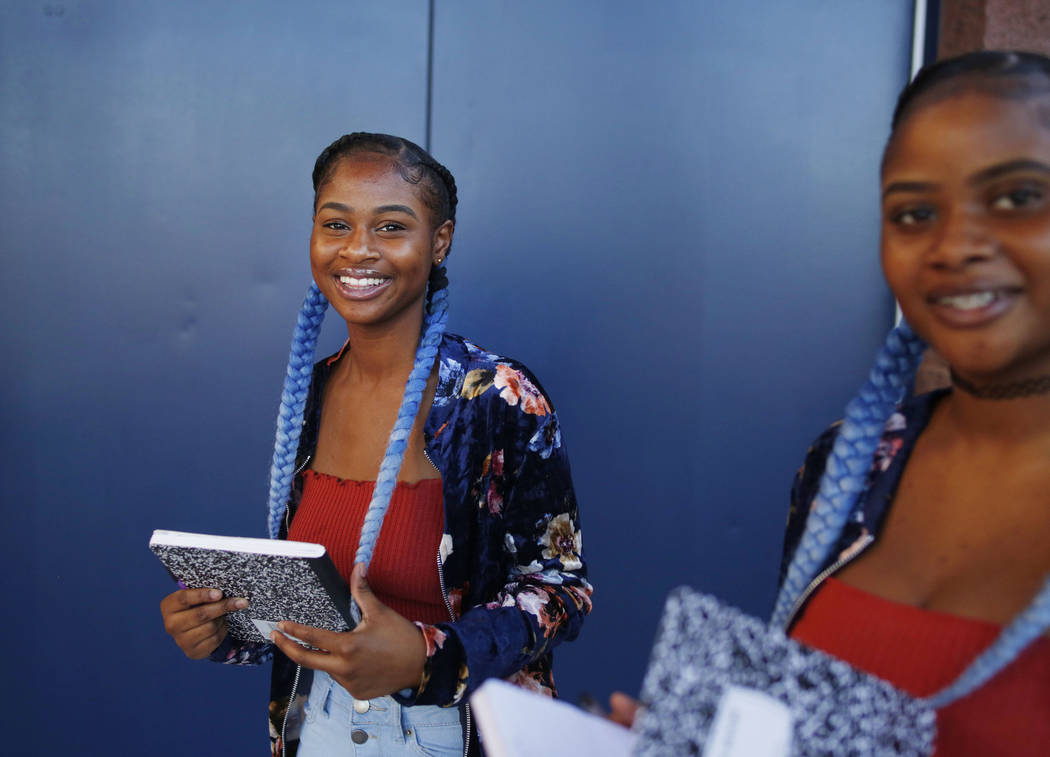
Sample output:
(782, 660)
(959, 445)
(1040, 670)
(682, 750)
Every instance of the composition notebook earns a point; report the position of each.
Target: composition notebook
(282, 580)
(723, 683)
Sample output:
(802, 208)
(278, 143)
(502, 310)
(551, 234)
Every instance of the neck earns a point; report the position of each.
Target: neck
(1010, 390)
(1016, 421)
(379, 353)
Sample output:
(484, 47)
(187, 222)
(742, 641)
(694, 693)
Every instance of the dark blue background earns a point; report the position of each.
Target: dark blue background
(668, 211)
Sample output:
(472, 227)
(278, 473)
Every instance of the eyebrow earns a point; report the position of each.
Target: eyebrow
(343, 208)
(981, 177)
(396, 209)
(1001, 169)
(909, 186)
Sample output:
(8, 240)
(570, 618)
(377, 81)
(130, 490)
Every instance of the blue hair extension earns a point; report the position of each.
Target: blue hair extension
(293, 404)
(426, 352)
(1025, 628)
(847, 466)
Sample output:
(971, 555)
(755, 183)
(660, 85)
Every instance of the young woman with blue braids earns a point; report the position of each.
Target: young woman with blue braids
(418, 459)
(918, 546)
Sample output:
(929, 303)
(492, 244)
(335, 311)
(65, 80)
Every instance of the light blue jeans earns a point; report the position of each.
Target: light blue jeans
(334, 726)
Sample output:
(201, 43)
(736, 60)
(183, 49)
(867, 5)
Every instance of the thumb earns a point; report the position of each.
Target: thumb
(362, 592)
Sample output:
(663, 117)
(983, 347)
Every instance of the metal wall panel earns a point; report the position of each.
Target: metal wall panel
(155, 214)
(669, 211)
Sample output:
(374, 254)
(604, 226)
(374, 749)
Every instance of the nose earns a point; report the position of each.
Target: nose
(356, 247)
(964, 240)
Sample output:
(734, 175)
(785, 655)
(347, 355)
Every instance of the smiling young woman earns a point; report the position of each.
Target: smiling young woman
(918, 546)
(454, 452)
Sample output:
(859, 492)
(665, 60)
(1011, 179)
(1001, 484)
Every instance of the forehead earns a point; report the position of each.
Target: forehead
(968, 131)
(370, 174)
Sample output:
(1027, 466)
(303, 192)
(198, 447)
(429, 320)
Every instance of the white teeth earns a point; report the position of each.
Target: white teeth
(363, 283)
(968, 301)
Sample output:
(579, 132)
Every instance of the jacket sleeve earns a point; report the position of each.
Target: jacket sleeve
(231, 652)
(527, 497)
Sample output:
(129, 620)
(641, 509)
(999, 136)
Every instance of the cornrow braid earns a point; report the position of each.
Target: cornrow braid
(1002, 71)
(847, 467)
(414, 163)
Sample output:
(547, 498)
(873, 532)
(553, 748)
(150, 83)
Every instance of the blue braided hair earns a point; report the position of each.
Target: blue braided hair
(846, 470)
(846, 474)
(293, 403)
(439, 193)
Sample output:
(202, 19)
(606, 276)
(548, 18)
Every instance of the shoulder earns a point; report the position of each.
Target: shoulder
(470, 372)
(901, 429)
(899, 433)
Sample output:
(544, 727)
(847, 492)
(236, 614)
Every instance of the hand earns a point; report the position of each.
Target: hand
(384, 654)
(623, 709)
(196, 619)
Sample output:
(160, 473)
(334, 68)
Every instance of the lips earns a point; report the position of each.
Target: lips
(971, 306)
(361, 284)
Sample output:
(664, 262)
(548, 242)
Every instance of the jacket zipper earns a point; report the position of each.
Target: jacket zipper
(296, 472)
(452, 616)
(284, 721)
(865, 542)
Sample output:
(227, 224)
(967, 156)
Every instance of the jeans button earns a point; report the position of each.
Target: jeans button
(361, 706)
(358, 736)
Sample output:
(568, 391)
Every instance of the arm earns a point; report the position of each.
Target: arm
(541, 594)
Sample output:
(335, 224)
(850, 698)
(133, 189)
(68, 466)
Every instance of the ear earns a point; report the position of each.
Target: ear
(442, 240)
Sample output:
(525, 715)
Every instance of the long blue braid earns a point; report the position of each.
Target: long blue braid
(426, 353)
(850, 460)
(844, 477)
(293, 403)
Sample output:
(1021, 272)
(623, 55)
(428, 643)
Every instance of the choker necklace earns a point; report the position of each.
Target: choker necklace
(1013, 390)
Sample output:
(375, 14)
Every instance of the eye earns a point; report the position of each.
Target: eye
(336, 226)
(390, 226)
(1016, 199)
(911, 216)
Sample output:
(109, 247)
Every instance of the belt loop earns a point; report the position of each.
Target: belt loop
(399, 717)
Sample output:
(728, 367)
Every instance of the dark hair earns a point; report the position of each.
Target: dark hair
(415, 165)
(1007, 73)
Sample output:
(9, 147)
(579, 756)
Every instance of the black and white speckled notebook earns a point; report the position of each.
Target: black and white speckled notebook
(282, 580)
(706, 651)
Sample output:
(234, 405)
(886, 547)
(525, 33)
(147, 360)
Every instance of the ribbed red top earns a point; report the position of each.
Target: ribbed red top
(921, 652)
(403, 572)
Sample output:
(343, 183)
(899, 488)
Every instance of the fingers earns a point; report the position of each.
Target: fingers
(323, 650)
(362, 592)
(195, 619)
(623, 709)
(319, 638)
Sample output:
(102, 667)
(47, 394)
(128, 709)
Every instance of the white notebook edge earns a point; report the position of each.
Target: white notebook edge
(246, 544)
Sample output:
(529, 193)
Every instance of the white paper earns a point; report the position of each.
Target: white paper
(749, 724)
(517, 723)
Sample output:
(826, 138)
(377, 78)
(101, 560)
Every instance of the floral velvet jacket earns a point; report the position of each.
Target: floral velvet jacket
(873, 503)
(510, 556)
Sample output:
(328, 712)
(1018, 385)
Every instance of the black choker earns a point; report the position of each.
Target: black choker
(1011, 391)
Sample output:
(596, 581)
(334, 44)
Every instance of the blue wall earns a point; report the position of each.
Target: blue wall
(669, 211)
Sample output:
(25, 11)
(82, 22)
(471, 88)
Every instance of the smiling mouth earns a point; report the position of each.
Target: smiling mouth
(362, 283)
(965, 302)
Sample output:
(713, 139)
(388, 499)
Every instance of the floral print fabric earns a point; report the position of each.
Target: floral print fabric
(873, 503)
